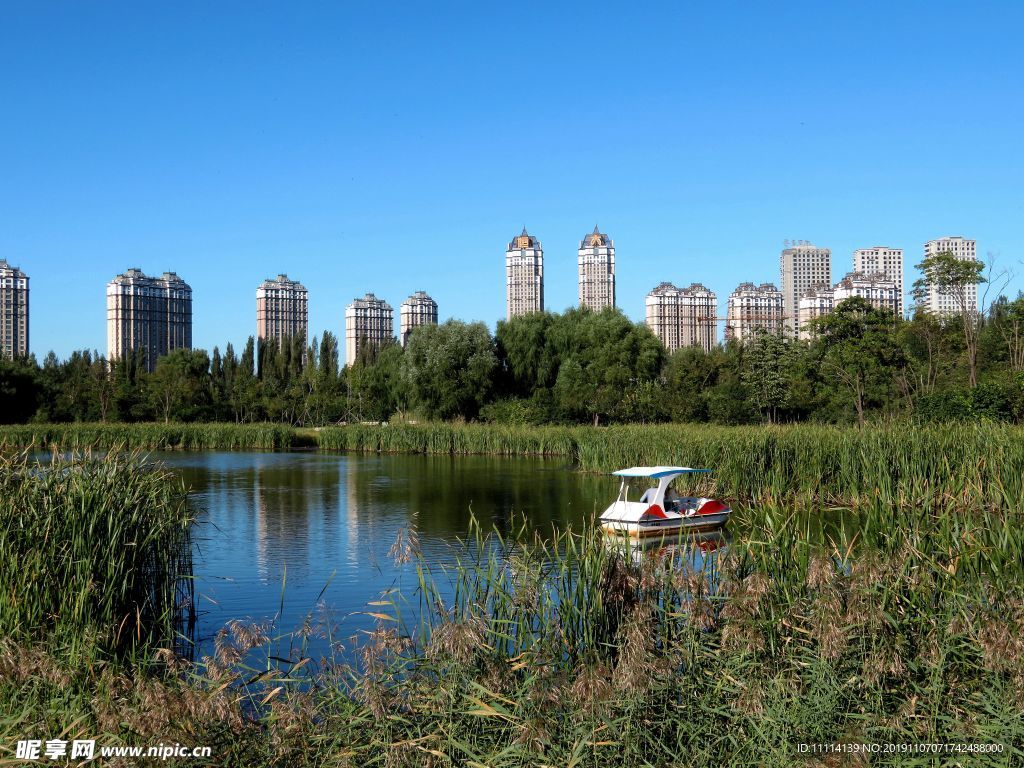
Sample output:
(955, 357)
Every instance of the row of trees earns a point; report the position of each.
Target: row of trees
(574, 367)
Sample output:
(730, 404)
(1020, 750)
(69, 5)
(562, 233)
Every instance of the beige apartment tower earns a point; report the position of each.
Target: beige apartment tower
(282, 309)
(153, 314)
(882, 260)
(524, 276)
(369, 321)
(878, 290)
(803, 266)
(683, 317)
(597, 271)
(419, 309)
(13, 311)
(753, 308)
(817, 301)
(939, 302)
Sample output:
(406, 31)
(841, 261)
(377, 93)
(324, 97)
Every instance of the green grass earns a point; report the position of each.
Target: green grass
(91, 551)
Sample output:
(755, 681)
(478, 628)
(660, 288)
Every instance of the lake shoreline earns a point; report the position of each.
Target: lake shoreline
(900, 464)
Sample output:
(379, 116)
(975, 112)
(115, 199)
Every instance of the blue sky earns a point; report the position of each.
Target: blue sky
(396, 147)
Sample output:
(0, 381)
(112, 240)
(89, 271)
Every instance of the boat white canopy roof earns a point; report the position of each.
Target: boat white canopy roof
(656, 471)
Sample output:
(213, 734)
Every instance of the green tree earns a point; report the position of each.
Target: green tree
(449, 369)
(582, 361)
(768, 374)
(375, 383)
(857, 349)
(19, 389)
(689, 373)
(179, 388)
(957, 278)
(1007, 320)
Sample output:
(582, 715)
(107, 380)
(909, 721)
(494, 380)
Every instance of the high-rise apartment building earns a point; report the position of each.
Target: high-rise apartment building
(13, 311)
(941, 302)
(282, 309)
(153, 314)
(882, 260)
(419, 309)
(752, 308)
(817, 301)
(879, 290)
(683, 317)
(524, 276)
(368, 321)
(803, 266)
(596, 257)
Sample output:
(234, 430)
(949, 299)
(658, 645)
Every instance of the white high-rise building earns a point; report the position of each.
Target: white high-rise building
(940, 302)
(683, 317)
(368, 321)
(883, 260)
(818, 300)
(878, 290)
(419, 309)
(597, 271)
(803, 266)
(524, 276)
(752, 308)
(13, 311)
(149, 313)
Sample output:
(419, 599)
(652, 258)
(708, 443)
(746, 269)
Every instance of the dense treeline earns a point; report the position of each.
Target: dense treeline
(575, 367)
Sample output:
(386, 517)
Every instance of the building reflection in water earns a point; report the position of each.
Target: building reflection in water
(297, 514)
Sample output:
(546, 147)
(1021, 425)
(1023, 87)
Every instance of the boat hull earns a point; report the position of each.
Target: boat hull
(643, 529)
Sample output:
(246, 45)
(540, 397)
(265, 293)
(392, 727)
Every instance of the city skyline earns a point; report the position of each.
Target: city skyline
(180, 140)
(868, 265)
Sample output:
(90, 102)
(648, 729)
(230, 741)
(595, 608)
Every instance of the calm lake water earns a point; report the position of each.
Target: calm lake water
(284, 535)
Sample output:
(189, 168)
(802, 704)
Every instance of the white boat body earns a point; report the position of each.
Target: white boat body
(653, 515)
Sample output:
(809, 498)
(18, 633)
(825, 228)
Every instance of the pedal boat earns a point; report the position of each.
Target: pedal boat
(654, 515)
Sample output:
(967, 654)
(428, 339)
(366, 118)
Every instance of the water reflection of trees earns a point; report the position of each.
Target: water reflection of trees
(442, 492)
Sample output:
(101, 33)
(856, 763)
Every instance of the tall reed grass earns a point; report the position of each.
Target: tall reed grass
(567, 650)
(150, 437)
(900, 464)
(95, 553)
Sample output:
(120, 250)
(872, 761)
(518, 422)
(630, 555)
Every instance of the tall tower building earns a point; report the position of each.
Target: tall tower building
(148, 313)
(368, 321)
(683, 317)
(882, 260)
(282, 309)
(803, 266)
(419, 309)
(752, 308)
(524, 276)
(597, 271)
(13, 311)
(942, 303)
